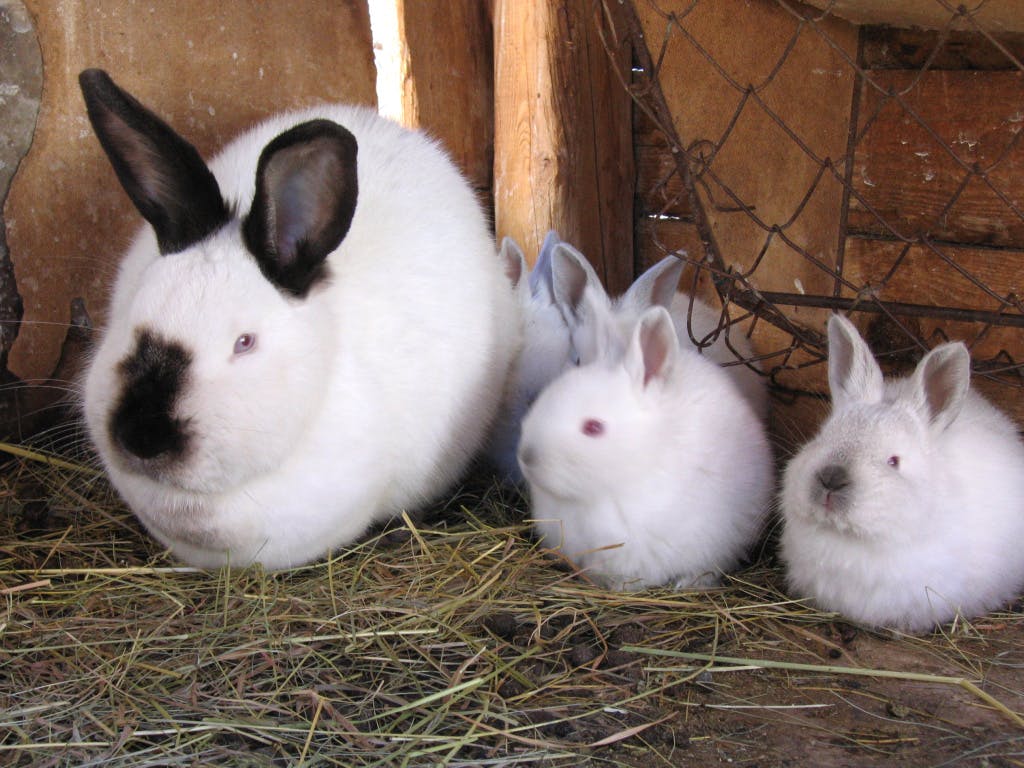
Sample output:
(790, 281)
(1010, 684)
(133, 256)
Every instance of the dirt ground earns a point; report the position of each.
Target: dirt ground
(738, 716)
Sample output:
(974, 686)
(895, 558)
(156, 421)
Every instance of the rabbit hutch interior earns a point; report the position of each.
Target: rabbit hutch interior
(799, 159)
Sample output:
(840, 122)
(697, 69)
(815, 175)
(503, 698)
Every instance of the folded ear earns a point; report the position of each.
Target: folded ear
(853, 374)
(306, 190)
(941, 382)
(654, 348)
(657, 286)
(163, 174)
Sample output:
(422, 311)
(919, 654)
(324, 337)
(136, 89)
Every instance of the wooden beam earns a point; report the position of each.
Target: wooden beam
(448, 80)
(563, 154)
(994, 17)
(985, 279)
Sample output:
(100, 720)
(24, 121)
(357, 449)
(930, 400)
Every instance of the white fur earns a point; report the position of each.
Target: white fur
(911, 546)
(675, 489)
(366, 398)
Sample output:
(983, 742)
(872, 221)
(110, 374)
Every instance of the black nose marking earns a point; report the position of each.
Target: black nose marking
(153, 375)
(833, 477)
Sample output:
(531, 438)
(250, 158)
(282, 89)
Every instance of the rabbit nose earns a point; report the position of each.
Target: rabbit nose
(833, 477)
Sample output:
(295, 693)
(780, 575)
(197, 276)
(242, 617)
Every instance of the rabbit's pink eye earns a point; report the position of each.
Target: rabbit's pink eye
(592, 428)
(245, 343)
(894, 462)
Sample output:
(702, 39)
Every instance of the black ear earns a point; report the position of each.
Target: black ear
(305, 198)
(161, 172)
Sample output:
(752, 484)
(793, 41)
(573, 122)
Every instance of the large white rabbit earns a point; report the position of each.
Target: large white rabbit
(311, 336)
(907, 508)
(647, 468)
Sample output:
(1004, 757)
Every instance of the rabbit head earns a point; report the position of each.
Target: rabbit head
(195, 385)
(869, 472)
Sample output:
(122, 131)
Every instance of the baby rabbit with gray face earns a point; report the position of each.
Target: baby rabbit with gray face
(310, 336)
(647, 468)
(545, 351)
(907, 508)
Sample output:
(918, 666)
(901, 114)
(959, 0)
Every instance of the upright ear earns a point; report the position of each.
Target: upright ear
(654, 348)
(584, 306)
(305, 199)
(853, 374)
(656, 286)
(513, 260)
(571, 275)
(540, 275)
(940, 384)
(162, 173)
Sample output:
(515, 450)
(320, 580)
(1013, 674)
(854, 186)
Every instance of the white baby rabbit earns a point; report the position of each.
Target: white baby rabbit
(545, 351)
(907, 508)
(600, 325)
(568, 315)
(311, 335)
(647, 469)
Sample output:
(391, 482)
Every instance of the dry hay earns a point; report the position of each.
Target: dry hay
(452, 642)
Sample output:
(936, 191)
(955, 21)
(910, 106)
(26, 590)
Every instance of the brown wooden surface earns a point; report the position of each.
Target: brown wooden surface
(996, 16)
(209, 67)
(945, 276)
(802, 378)
(910, 162)
(659, 188)
(563, 142)
(656, 239)
(941, 275)
(447, 88)
(715, 55)
(891, 48)
(757, 176)
(978, 114)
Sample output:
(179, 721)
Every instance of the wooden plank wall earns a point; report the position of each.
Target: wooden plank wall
(532, 101)
(938, 214)
(448, 89)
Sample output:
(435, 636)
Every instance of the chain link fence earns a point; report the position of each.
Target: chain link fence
(810, 165)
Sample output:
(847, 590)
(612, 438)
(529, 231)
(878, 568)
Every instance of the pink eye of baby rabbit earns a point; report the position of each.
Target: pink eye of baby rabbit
(894, 462)
(592, 428)
(245, 343)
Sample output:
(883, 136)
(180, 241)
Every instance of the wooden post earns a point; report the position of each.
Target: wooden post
(447, 80)
(563, 153)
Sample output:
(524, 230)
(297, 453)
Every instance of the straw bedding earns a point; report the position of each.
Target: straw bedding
(453, 640)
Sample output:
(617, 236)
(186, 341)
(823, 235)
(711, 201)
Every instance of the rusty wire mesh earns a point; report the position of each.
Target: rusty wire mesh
(940, 272)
